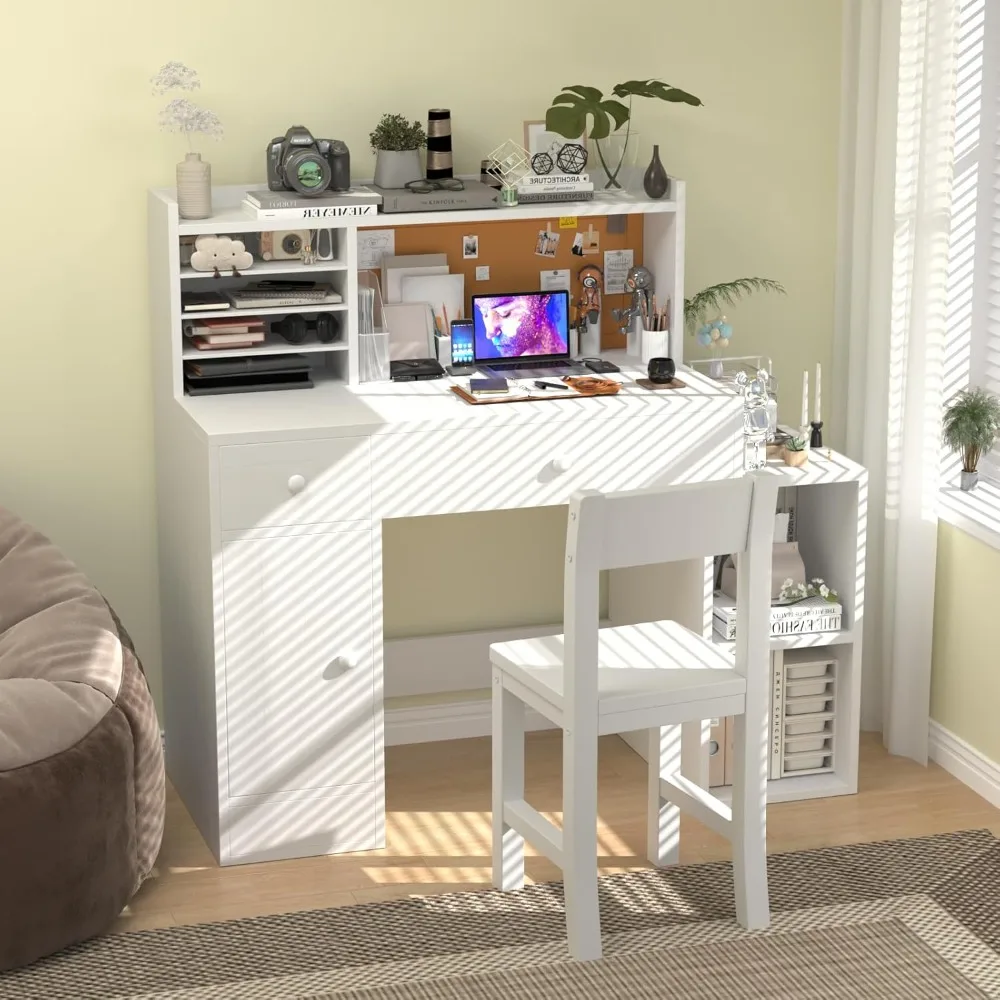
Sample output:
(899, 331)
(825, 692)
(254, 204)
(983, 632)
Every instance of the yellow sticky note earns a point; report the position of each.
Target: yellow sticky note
(567, 222)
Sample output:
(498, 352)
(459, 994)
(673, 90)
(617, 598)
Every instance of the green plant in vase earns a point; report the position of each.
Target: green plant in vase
(716, 333)
(573, 106)
(971, 427)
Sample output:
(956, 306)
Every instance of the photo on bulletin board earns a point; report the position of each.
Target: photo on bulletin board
(537, 139)
(470, 247)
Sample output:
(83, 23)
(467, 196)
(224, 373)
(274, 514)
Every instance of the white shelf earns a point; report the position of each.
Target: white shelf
(625, 204)
(313, 307)
(269, 267)
(230, 217)
(810, 639)
(274, 345)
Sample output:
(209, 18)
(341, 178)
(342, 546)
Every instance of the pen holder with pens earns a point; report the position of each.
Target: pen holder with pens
(653, 344)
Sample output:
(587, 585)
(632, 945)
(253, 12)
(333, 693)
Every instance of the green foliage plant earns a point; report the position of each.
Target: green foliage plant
(971, 425)
(395, 133)
(715, 298)
(573, 106)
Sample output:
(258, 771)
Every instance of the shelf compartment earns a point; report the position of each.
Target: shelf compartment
(313, 307)
(265, 268)
(271, 345)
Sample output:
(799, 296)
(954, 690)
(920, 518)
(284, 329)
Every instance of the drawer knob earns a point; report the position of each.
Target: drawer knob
(560, 465)
(340, 665)
(296, 483)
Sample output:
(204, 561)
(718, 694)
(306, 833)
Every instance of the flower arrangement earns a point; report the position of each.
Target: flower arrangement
(791, 591)
(182, 114)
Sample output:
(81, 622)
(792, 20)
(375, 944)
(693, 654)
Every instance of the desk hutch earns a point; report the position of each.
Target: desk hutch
(280, 694)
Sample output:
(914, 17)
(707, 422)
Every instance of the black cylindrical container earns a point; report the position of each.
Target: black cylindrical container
(439, 161)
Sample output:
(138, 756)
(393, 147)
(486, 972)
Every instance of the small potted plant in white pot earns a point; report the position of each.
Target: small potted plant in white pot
(396, 144)
(971, 427)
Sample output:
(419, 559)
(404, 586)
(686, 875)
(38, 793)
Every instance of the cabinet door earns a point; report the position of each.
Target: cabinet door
(299, 631)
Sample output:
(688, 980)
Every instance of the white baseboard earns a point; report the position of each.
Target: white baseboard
(965, 762)
(455, 720)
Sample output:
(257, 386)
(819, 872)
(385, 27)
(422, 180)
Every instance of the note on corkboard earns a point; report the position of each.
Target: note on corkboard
(509, 248)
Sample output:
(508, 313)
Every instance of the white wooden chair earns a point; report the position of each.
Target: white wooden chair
(595, 681)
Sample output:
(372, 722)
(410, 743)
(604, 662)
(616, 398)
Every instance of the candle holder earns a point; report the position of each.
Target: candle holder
(816, 438)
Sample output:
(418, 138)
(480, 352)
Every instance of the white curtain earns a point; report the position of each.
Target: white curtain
(898, 154)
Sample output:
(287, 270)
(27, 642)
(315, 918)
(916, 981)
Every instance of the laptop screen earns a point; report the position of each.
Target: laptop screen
(526, 324)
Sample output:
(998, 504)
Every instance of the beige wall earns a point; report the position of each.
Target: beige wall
(80, 146)
(965, 683)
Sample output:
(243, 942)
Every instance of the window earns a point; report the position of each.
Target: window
(973, 297)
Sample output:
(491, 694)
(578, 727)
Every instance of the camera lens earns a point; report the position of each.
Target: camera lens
(307, 172)
(291, 244)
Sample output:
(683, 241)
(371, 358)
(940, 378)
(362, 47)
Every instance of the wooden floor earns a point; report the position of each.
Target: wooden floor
(438, 817)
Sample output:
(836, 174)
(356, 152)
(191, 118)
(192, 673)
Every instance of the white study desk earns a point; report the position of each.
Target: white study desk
(270, 547)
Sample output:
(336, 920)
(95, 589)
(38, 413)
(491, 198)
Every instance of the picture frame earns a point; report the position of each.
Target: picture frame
(538, 139)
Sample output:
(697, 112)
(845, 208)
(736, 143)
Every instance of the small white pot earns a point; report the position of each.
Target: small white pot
(194, 187)
(969, 480)
(396, 168)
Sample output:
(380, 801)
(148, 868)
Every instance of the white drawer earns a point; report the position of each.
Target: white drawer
(295, 482)
(440, 472)
(268, 830)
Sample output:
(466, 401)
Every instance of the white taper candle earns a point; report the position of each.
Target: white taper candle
(819, 409)
(805, 399)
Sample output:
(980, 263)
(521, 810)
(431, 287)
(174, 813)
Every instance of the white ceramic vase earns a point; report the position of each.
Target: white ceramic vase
(396, 168)
(194, 187)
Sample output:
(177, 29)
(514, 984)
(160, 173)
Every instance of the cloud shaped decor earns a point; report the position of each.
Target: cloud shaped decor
(220, 253)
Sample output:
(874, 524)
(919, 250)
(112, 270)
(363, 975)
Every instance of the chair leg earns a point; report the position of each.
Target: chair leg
(749, 819)
(663, 818)
(508, 785)
(583, 917)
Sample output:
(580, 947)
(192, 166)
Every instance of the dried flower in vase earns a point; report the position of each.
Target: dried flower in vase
(181, 114)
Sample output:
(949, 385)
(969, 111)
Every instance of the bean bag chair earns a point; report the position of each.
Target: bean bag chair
(81, 764)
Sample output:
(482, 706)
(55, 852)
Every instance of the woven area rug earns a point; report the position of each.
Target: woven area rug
(898, 920)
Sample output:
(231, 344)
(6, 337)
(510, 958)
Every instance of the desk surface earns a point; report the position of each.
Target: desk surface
(335, 409)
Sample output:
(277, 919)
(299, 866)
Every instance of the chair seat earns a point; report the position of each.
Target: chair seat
(639, 667)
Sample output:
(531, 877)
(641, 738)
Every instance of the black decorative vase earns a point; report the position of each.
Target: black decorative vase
(655, 181)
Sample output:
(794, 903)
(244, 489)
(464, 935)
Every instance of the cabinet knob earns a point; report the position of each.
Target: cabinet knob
(560, 465)
(340, 665)
(296, 483)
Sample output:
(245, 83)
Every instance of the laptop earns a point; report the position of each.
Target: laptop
(523, 335)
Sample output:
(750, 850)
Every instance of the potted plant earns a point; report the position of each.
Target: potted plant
(572, 107)
(396, 144)
(971, 427)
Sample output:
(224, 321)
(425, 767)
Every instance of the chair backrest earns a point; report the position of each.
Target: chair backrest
(668, 524)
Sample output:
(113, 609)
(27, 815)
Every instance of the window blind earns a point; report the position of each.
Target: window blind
(986, 334)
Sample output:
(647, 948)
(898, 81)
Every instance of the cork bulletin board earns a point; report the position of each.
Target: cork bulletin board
(508, 248)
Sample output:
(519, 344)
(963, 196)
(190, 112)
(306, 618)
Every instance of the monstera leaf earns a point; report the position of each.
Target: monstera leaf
(655, 88)
(571, 108)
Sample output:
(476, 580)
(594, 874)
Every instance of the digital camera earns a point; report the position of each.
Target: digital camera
(298, 162)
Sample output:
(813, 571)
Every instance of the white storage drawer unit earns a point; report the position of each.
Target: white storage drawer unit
(295, 482)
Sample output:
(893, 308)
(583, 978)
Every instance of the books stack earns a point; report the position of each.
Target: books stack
(225, 333)
(278, 293)
(331, 206)
(811, 615)
(803, 713)
(544, 188)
